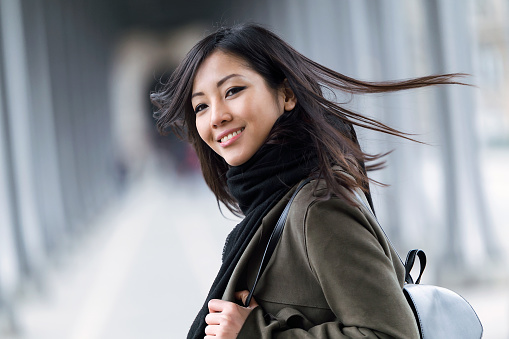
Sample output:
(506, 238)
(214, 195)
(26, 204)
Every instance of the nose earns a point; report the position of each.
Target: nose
(220, 115)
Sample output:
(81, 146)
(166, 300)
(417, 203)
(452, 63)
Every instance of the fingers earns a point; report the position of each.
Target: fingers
(213, 318)
(225, 319)
(216, 305)
(242, 296)
(211, 331)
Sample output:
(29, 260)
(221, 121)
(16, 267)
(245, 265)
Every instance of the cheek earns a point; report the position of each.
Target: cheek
(201, 128)
(204, 131)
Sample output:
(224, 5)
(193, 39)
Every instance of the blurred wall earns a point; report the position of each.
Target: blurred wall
(58, 168)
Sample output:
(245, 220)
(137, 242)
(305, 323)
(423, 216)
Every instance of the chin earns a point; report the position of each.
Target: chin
(236, 161)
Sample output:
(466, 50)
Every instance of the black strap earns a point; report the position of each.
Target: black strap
(409, 263)
(273, 240)
(278, 230)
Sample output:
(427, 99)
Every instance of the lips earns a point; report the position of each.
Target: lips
(229, 135)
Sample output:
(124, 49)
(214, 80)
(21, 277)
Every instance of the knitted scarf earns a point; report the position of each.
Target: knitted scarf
(257, 185)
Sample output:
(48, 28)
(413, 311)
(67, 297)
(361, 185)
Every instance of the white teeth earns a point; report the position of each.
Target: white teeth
(231, 135)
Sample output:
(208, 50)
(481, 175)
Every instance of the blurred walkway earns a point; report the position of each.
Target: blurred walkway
(140, 274)
(145, 270)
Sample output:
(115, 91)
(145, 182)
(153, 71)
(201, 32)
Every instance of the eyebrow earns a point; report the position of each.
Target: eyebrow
(219, 83)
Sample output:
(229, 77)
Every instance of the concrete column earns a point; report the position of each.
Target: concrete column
(17, 97)
(470, 241)
(10, 269)
(404, 197)
(56, 16)
(48, 180)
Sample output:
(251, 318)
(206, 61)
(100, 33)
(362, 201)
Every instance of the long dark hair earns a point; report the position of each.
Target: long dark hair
(329, 125)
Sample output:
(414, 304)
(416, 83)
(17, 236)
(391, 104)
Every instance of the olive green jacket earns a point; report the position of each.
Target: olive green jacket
(333, 274)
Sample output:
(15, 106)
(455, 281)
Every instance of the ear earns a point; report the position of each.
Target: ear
(290, 100)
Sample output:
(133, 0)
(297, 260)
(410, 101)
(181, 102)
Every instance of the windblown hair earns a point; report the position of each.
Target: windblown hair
(328, 125)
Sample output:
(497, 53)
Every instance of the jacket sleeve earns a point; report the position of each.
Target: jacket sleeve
(357, 277)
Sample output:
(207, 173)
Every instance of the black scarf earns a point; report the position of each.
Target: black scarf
(257, 185)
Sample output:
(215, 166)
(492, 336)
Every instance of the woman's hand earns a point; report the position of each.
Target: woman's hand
(225, 319)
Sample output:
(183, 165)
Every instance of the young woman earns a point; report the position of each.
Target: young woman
(257, 114)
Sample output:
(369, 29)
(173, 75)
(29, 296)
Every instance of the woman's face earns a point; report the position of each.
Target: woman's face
(235, 108)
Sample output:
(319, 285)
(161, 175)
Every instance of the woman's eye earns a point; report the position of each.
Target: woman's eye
(199, 108)
(233, 91)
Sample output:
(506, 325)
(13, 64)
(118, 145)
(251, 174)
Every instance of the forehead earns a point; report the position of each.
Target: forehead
(218, 65)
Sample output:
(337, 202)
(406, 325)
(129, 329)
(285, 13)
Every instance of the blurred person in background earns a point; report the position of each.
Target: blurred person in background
(258, 115)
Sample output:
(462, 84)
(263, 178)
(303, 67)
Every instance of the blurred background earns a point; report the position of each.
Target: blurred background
(107, 229)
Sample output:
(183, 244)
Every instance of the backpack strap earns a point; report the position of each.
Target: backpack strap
(273, 240)
(409, 263)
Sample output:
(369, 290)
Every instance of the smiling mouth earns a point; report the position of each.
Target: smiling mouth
(231, 135)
